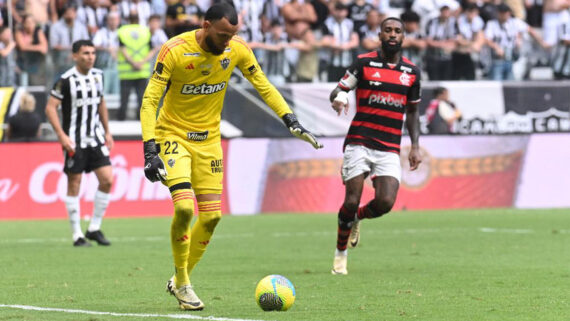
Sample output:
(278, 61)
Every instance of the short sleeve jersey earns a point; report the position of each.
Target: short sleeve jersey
(383, 91)
(80, 96)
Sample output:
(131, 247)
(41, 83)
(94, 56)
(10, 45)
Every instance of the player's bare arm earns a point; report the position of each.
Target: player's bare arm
(104, 117)
(53, 118)
(339, 100)
(413, 125)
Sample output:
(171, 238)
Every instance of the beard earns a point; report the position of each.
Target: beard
(389, 49)
(213, 48)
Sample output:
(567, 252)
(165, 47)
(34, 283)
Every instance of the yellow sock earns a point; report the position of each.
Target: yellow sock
(209, 214)
(183, 200)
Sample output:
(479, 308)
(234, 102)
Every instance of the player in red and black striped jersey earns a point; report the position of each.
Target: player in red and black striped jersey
(387, 89)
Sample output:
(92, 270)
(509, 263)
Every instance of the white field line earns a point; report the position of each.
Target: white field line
(506, 230)
(116, 314)
(124, 239)
(286, 235)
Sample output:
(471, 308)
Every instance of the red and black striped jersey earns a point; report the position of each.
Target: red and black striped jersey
(382, 93)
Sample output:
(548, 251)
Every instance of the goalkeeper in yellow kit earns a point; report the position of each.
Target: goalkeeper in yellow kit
(182, 147)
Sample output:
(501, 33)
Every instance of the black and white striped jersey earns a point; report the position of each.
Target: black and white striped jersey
(467, 28)
(561, 57)
(80, 96)
(440, 31)
(342, 33)
(506, 35)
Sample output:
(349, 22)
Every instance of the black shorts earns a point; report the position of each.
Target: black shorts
(86, 159)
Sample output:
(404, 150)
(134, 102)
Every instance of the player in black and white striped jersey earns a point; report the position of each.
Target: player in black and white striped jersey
(84, 136)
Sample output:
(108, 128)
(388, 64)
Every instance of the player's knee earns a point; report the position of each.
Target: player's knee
(382, 205)
(184, 209)
(210, 220)
(73, 184)
(351, 203)
(105, 184)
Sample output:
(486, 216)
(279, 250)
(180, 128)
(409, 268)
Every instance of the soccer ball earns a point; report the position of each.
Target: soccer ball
(275, 293)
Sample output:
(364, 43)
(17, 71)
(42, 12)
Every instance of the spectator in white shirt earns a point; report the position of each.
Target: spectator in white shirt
(503, 36)
(440, 36)
(106, 43)
(62, 35)
(141, 8)
(368, 32)
(340, 38)
(158, 36)
(469, 40)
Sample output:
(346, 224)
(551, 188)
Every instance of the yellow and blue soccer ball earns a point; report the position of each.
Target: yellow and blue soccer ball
(275, 293)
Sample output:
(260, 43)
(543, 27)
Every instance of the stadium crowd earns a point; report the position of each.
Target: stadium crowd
(295, 40)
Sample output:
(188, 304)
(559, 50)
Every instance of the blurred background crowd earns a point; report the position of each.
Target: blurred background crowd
(295, 40)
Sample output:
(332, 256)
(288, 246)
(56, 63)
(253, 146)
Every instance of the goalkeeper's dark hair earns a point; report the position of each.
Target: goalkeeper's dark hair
(81, 43)
(222, 10)
(391, 18)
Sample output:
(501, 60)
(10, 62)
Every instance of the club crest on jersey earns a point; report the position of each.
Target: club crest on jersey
(205, 69)
(405, 79)
(70, 162)
(225, 63)
(171, 162)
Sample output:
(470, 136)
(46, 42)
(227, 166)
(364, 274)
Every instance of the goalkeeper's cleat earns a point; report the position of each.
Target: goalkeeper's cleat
(98, 237)
(187, 298)
(354, 236)
(171, 286)
(81, 242)
(339, 264)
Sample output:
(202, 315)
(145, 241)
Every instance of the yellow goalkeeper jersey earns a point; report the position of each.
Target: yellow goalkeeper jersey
(196, 82)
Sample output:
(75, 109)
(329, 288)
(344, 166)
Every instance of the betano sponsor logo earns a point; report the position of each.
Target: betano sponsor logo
(386, 99)
(203, 89)
(129, 184)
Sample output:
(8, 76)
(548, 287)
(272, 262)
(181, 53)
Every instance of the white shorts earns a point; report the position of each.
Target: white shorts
(359, 159)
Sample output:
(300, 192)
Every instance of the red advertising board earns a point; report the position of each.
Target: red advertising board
(33, 186)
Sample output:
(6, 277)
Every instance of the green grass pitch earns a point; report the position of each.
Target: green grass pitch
(438, 265)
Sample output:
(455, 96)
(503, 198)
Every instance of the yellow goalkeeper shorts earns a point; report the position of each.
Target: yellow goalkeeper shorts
(201, 165)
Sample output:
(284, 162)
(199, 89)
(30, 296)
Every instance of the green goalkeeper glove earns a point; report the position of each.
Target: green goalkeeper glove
(299, 131)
